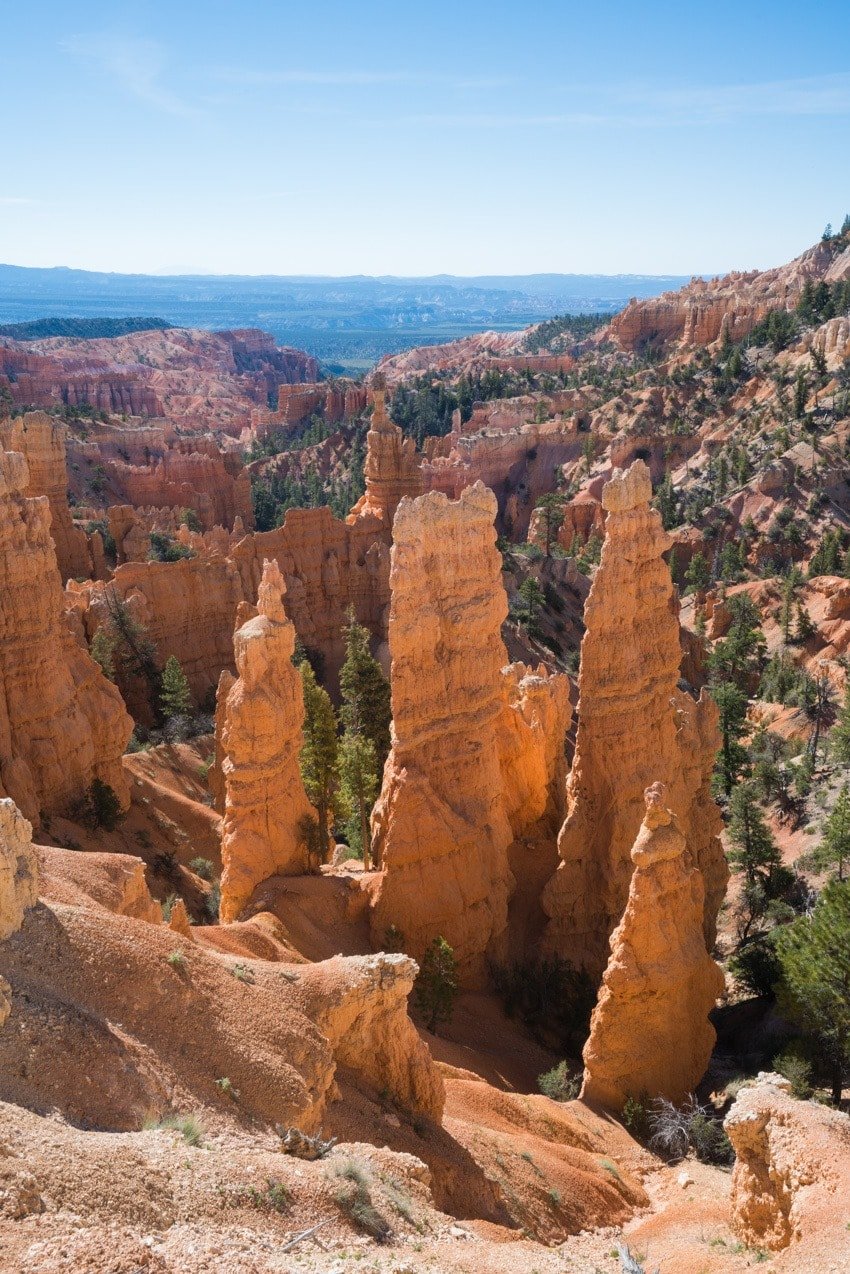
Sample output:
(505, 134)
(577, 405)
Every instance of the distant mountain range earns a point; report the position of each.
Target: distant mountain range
(347, 321)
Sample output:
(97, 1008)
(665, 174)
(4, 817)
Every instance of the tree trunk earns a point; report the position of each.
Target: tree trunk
(837, 1084)
(364, 833)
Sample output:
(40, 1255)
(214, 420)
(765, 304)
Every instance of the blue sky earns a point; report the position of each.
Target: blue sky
(463, 137)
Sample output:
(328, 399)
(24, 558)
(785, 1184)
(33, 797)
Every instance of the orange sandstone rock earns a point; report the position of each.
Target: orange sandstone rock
(476, 744)
(18, 881)
(791, 1180)
(393, 465)
(18, 868)
(359, 1004)
(108, 882)
(650, 1032)
(41, 439)
(633, 724)
(265, 802)
(178, 921)
(62, 724)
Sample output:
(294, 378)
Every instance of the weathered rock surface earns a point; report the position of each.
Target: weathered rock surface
(187, 607)
(18, 868)
(111, 882)
(201, 380)
(329, 566)
(633, 724)
(650, 1033)
(41, 439)
(791, 1179)
(360, 1004)
(265, 803)
(62, 724)
(333, 400)
(704, 310)
(18, 880)
(393, 465)
(471, 749)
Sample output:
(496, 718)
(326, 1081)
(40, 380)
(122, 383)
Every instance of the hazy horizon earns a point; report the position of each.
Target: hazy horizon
(466, 140)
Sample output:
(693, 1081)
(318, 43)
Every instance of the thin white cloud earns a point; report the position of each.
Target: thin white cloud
(815, 95)
(14, 201)
(351, 78)
(135, 63)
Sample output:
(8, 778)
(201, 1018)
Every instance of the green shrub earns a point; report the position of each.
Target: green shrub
(189, 1127)
(636, 1116)
(559, 1083)
(797, 1069)
(436, 986)
(355, 1199)
(100, 807)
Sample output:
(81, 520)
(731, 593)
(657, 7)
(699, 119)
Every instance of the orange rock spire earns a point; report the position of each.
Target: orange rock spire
(265, 802)
(634, 723)
(650, 1032)
(476, 742)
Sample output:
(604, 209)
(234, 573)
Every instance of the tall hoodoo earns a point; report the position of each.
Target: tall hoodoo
(463, 721)
(62, 724)
(650, 1033)
(393, 465)
(265, 802)
(634, 723)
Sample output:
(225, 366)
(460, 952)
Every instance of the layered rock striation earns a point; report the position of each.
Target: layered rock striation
(41, 440)
(265, 808)
(476, 744)
(62, 724)
(650, 1033)
(634, 723)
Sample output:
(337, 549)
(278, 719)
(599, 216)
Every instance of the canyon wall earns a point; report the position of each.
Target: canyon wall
(200, 380)
(708, 310)
(328, 566)
(634, 723)
(18, 882)
(265, 806)
(41, 439)
(61, 722)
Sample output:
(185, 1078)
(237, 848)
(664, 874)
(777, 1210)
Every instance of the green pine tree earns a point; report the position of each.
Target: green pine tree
(754, 851)
(839, 739)
(365, 691)
(358, 776)
(102, 651)
(319, 755)
(436, 986)
(533, 598)
(732, 757)
(175, 697)
(698, 574)
(814, 954)
(755, 854)
(833, 853)
(551, 507)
